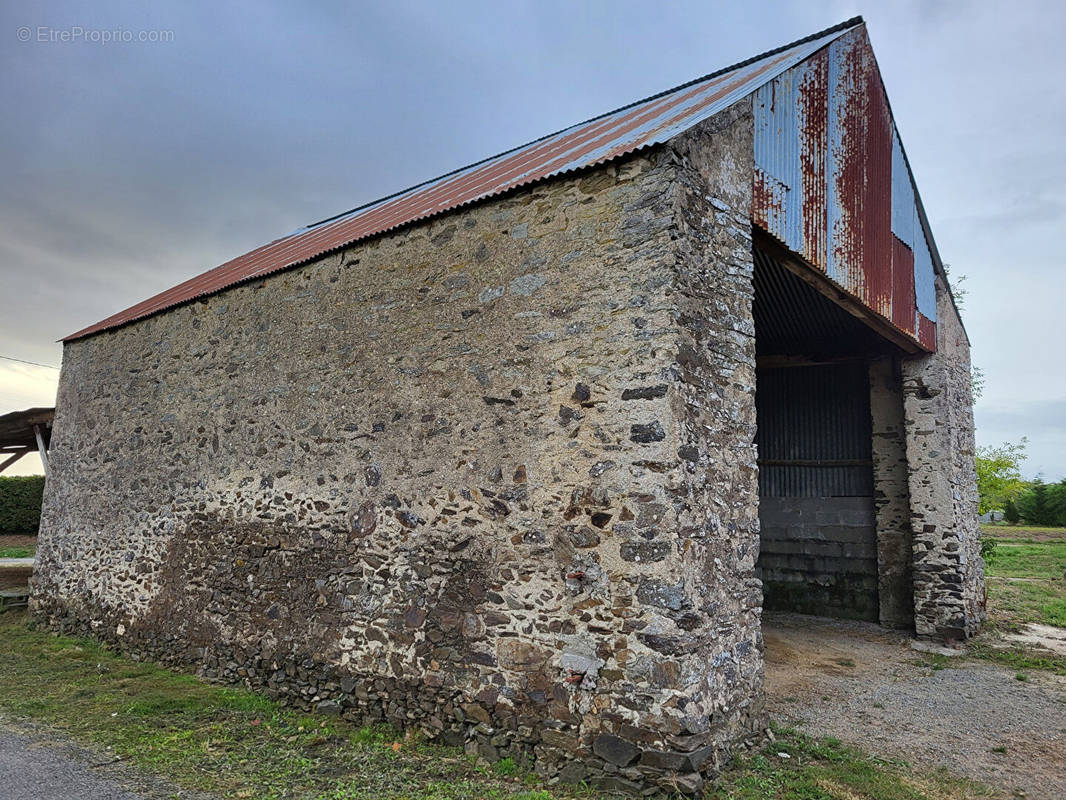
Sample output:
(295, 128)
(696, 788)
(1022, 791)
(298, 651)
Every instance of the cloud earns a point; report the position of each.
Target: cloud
(133, 167)
(1042, 422)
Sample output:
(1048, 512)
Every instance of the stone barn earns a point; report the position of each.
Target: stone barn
(518, 456)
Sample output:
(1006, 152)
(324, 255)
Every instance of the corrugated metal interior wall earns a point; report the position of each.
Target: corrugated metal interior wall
(814, 435)
(816, 503)
(816, 495)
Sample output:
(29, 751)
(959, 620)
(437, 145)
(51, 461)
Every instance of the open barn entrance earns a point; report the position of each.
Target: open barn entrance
(833, 509)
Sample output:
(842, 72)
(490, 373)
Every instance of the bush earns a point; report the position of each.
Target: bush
(20, 503)
(988, 549)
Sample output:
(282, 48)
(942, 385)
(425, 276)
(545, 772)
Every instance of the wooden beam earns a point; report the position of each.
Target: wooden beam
(13, 459)
(777, 362)
(821, 283)
(41, 448)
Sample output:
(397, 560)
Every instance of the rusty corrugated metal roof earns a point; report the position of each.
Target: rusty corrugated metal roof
(833, 185)
(648, 122)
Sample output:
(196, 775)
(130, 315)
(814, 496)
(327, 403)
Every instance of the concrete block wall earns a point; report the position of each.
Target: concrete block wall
(819, 555)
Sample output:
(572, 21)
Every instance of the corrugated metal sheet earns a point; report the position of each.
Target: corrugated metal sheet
(794, 318)
(648, 122)
(814, 431)
(833, 185)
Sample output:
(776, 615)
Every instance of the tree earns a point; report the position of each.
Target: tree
(1057, 502)
(1011, 513)
(999, 476)
(1035, 504)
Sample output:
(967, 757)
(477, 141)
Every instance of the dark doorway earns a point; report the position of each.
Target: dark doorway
(816, 497)
(818, 487)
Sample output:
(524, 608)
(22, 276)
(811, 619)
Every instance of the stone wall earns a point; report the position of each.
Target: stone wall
(949, 592)
(891, 495)
(715, 482)
(491, 476)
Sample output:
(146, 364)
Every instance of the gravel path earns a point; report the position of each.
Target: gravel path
(36, 765)
(31, 770)
(866, 686)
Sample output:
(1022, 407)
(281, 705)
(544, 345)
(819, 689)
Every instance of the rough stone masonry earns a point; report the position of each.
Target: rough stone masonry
(491, 476)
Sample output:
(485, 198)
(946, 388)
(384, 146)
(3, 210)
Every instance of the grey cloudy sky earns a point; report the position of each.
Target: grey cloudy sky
(129, 167)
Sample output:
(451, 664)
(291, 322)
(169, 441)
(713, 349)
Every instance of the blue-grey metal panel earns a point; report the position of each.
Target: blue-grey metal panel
(924, 285)
(836, 266)
(903, 211)
(832, 182)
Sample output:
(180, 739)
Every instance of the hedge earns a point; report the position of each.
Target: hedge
(20, 503)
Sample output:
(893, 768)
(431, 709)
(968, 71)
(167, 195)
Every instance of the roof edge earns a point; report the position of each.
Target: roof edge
(840, 26)
(97, 327)
(89, 332)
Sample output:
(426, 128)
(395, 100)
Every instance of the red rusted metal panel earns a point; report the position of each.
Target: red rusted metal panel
(877, 194)
(831, 182)
(814, 132)
(926, 331)
(860, 188)
(904, 314)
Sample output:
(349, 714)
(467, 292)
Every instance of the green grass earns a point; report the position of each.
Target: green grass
(826, 770)
(1019, 659)
(225, 740)
(1026, 581)
(239, 744)
(1025, 559)
(1014, 531)
(1026, 576)
(16, 552)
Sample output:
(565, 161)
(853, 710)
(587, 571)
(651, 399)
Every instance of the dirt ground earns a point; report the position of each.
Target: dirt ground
(866, 686)
(17, 540)
(1021, 532)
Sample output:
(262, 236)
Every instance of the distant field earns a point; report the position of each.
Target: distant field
(1026, 575)
(1024, 532)
(17, 546)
